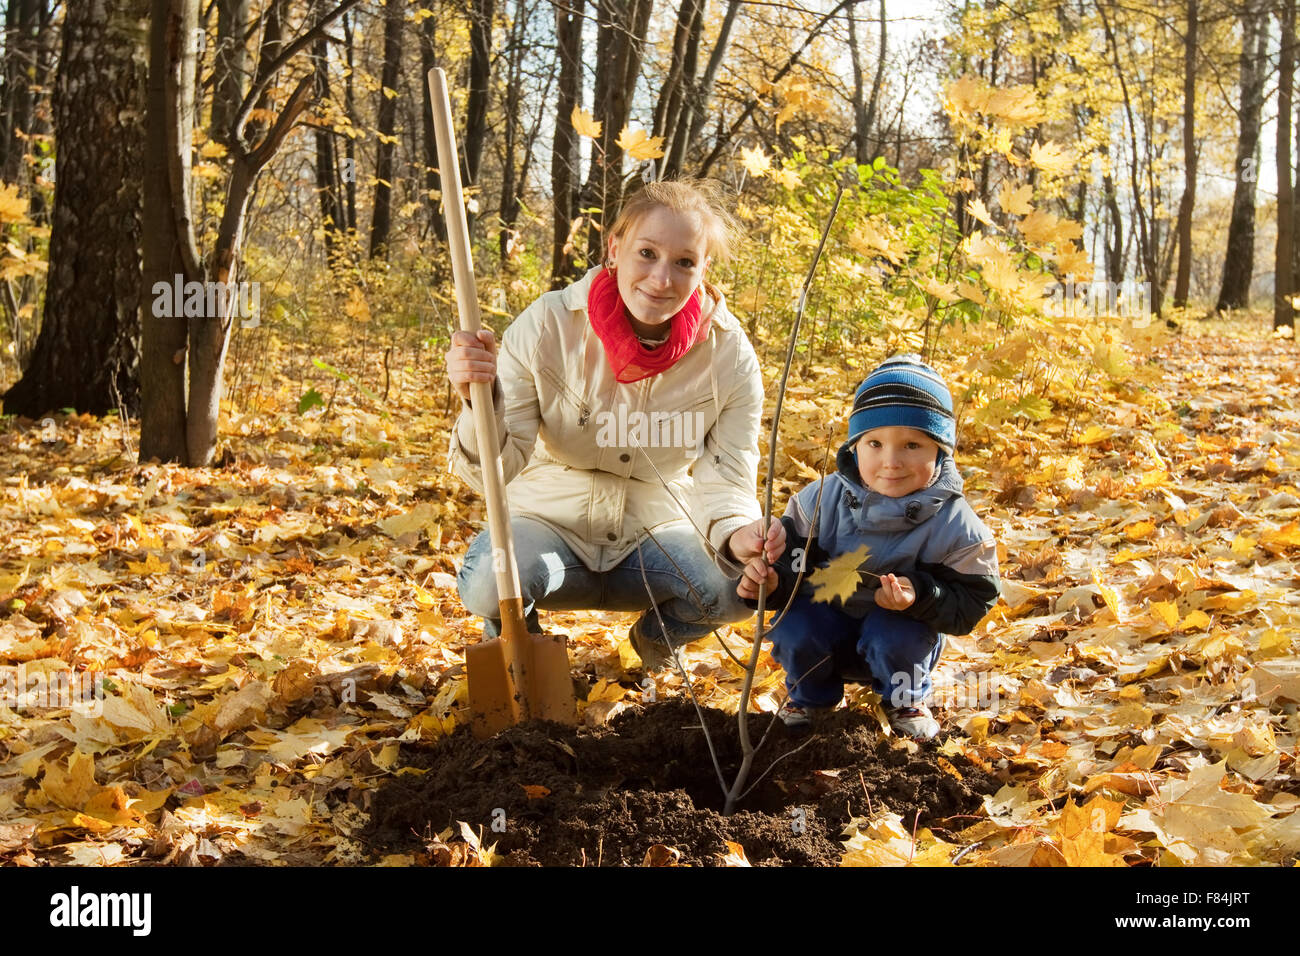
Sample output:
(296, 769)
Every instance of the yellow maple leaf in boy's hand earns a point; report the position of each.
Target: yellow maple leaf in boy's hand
(636, 144)
(840, 578)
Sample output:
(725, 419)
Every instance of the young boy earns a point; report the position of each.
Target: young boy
(930, 566)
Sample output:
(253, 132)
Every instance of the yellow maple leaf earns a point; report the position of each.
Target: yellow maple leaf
(1017, 106)
(968, 95)
(13, 208)
(840, 578)
(1109, 595)
(584, 124)
(997, 265)
(1073, 261)
(150, 565)
(357, 308)
(971, 291)
(71, 788)
(636, 144)
(1040, 226)
(786, 177)
(1165, 612)
(977, 209)
(755, 161)
(943, 291)
(1051, 158)
(1098, 815)
(1282, 539)
(1015, 200)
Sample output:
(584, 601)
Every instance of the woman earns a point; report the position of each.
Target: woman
(625, 381)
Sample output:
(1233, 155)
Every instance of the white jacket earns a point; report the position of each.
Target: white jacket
(577, 445)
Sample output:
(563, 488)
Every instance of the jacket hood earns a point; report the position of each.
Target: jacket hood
(874, 511)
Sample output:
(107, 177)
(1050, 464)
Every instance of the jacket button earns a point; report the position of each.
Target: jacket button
(625, 457)
(612, 536)
(913, 511)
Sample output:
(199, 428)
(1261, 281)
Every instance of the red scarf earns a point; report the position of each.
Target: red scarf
(630, 360)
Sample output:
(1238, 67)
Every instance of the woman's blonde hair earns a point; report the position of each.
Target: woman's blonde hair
(702, 198)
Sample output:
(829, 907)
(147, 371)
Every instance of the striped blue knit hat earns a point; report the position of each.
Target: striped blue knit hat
(904, 391)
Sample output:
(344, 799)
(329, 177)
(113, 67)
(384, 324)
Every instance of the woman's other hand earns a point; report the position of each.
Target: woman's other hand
(471, 359)
(748, 542)
(756, 573)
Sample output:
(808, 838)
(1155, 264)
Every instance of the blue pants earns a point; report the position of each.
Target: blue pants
(821, 648)
(692, 595)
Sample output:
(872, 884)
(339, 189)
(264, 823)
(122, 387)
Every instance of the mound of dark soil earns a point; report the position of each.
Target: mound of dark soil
(563, 796)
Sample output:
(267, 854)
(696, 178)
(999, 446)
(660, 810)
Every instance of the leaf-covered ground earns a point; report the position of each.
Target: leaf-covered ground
(271, 633)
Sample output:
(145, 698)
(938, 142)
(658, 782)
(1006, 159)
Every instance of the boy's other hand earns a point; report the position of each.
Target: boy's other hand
(895, 593)
(749, 542)
(756, 572)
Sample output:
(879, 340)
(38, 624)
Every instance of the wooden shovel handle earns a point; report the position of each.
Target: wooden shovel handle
(462, 270)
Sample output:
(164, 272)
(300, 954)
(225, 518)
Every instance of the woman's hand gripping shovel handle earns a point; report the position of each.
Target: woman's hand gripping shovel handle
(517, 676)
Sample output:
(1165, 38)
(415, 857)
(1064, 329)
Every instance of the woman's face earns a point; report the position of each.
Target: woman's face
(658, 262)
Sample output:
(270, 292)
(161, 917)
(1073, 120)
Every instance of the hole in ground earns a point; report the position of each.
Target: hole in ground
(572, 796)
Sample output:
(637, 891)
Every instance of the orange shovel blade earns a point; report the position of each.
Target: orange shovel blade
(493, 703)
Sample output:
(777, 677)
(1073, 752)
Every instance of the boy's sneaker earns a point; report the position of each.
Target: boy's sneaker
(800, 718)
(915, 722)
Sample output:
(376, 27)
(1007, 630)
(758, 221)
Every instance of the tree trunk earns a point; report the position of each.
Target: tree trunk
(864, 112)
(22, 28)
(350, 106)
(87, 354)
(333, 215)
(508, 206)
(565, 172)
(232, 66)
(481, 13)
(381, 216)
(696, 113)
(1284, 263)
(432, 178)
(1114, 240)
(679, 85)
(1188, 203)
(620, 38)
(164, 343)
(1239, 261)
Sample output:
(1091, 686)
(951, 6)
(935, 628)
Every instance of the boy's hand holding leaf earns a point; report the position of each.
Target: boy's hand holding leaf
(895, 593)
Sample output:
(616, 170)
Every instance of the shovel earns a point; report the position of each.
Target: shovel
(518, 676)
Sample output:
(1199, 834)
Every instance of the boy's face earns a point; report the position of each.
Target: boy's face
(896, 461)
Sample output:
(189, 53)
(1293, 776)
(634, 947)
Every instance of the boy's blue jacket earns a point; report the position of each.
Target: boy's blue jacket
(930, 536)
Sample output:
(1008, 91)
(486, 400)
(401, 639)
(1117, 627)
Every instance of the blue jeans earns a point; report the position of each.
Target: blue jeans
(692, 595)
(821, 648)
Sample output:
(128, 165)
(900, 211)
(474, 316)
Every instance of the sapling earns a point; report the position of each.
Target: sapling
(738, 789)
